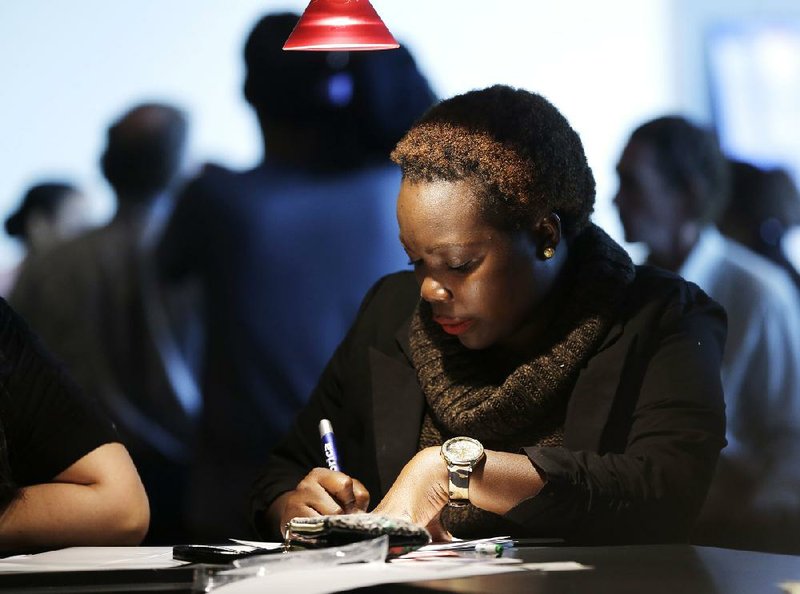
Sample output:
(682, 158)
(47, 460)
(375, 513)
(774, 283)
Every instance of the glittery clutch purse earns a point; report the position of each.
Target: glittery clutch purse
(326, 531)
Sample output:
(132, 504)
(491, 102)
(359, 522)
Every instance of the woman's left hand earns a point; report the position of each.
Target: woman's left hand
(419, 493)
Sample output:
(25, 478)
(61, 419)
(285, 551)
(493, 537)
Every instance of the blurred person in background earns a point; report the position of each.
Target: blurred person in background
(275, 248)
(764, 206)
(50, 212)
(95, 302)
(673, 183)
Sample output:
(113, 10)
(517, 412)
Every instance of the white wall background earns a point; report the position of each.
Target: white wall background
(68, 68)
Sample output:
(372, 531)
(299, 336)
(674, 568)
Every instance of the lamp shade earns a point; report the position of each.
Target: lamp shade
(343, 25)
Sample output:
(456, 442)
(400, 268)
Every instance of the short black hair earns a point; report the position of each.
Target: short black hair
(144, 150)
(43, 197)
(285, 85)
(360, 102)
(758, 194)
(763, 205)
(516, 144)
(690, 159)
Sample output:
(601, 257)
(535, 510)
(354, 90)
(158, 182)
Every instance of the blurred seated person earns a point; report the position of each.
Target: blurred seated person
(96, 303)
(50, 212)
(65, 479)
(673, 183)
(274, 247)
(764, 205)
(583, 391)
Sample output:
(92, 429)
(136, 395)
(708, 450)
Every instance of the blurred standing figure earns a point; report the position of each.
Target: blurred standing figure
(94, 303)
(764, 206)
(50, 212)
(276, 248)
(673, 182)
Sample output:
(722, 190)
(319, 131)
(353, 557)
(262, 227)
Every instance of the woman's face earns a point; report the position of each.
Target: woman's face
(483, 284)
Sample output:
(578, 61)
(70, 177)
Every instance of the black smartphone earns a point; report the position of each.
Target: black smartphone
(215, 553)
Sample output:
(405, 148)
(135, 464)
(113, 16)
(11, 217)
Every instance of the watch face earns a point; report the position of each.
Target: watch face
(462, 450)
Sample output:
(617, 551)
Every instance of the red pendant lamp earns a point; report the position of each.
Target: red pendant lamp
(340, 25)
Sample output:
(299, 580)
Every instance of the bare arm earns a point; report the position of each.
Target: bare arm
(98, 500)
(498, 483)
(502, 481)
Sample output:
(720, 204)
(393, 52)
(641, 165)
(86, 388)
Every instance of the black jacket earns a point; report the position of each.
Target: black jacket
(645, 421)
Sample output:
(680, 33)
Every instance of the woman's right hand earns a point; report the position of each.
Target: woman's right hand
(321, 492)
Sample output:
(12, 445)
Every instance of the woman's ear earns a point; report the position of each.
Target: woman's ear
(548, 235)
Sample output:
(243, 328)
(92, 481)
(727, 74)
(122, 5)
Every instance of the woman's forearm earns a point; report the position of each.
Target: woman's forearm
(503, 480)
(62, 514)
(98, 500)
(499, 482)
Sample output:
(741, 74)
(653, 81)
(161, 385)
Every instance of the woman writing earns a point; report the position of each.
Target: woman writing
(527, 378)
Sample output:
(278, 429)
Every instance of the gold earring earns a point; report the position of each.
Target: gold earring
(548, 252)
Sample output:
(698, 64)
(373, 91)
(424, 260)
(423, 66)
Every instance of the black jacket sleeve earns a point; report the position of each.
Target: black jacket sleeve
(661, 443)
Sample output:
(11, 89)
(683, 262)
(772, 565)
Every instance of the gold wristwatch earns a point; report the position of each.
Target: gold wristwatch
(461, 454)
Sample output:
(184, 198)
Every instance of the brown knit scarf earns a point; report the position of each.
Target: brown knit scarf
(474, 393)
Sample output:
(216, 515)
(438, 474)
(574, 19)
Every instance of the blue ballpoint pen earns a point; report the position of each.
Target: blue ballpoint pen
(328, 444)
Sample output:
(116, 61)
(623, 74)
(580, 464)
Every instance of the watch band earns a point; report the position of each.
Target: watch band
(461, 454)
(458, 485)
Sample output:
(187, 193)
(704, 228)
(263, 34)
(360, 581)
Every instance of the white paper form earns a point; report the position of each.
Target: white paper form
(466, 545)
(256, 544)
(357, 575)
(91, 558)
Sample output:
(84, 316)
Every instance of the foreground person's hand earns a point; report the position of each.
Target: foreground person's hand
(437, 531)
(322, 492)
(419, 493)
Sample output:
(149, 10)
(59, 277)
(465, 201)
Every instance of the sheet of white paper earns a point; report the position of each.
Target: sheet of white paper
(465, 545)
(258, 545)
(88, 558)
(556, 566)
(344, 577)
(453, 557)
